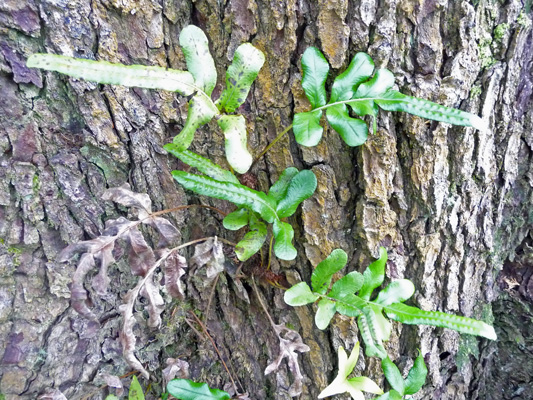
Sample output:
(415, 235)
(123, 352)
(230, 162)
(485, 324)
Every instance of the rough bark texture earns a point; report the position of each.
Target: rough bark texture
(452, 205)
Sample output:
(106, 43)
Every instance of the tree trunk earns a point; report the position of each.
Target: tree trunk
(453, 206)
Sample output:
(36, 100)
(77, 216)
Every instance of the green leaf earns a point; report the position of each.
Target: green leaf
(301, 187)
(346, 305)
(201, 111)
(393, 100)
(365, 384)
(185, 389)
(240, 195)
(299, 295)
(359, 70)
(383, 325)
(352, 130)
(236, 220)
(367, 327)
(415, 316)
(354, 386)
(279, 189)
(200, 64)
(416, 376)
(365, 107)
(382, 81)
(374, 275)
(321, 277)
(283, 235)
(108, 397)
(315, 71)
(136, 391)
(237, 154)
(202, 164)
(116, 74)
(393, 375)
(396, 292)
(307, 129)
(392, 395)
(252, 241)
(240, 75)
(348, 284)
(324, 313)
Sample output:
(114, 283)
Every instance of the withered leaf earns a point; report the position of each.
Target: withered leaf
(52, 394)
(156, 304)
(290, 342)
(174, 268)
(126, 336)
(114, 382)
(100, 282)
(140, 255)
(123, 195)
(176, 368)
(78, 294)
(114, 228)
(168, 233)
(209, 253)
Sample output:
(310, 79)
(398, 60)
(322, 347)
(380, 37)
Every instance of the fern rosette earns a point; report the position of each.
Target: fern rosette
(363, 91)
(281, 202)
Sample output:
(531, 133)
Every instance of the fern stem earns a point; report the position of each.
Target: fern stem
(270, 252)
(280, 135)
(169, 210)
(204, 328)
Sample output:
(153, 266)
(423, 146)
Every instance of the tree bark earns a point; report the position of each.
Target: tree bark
(452, 205)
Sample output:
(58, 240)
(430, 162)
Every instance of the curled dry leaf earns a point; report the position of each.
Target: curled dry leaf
(141, 201)
(290, 342)
(142, 261)
(123, 195)
(174, 268)
(100, 282)
(140, 255)
(114, 382)
(230, 389)
(126, 336)
(176, 368)
(100, 248)
(156, 304)
(52, 394)
(78, 294)
(168, 233)
(211, 254)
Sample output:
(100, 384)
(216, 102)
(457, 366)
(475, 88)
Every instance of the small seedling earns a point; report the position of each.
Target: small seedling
(373, 325)
(355, 386)
(185, 389)
(403, 387)
(282, 200)
(363, 93)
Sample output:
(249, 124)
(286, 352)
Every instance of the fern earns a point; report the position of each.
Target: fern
(364, 93)
(284, 196)
(373, 325)
(199, 81)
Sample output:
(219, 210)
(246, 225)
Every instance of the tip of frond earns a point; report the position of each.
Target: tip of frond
(479, 123)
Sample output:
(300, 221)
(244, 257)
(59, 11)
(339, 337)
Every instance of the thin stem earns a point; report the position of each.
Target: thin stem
(204, 328)
(350, 101)
(270, 252)
(169, 210)
(263, 304)
(280, 135)
(211, 295)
